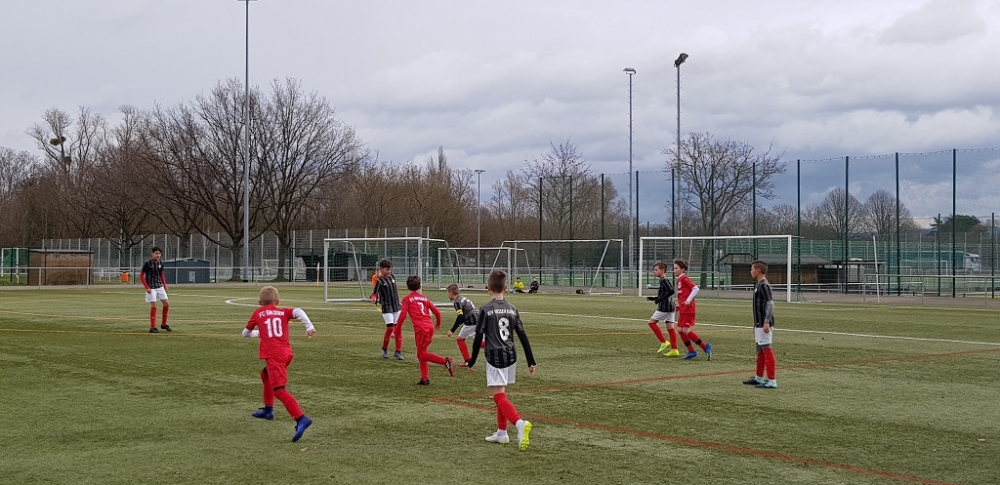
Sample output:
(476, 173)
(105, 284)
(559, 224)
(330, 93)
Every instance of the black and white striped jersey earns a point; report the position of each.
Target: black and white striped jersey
(387, 294)
(466, 312)
(497, 321)
(151, 272)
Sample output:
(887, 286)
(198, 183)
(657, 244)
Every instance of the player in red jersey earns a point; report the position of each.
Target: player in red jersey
(270, 323)
(686, 291)
(419, 308)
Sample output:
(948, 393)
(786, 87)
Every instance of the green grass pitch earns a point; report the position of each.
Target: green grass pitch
(868, 394)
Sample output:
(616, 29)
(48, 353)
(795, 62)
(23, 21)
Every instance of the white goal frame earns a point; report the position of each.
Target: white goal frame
(510, 268)
(423, 252)
(642, 271)
(618, 290)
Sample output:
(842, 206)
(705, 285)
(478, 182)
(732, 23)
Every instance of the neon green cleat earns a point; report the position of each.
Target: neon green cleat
(663, 346)
(672, 353)
(522, 435)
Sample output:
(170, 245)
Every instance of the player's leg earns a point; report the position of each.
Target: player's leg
(390, 323)
(693, 337)
(500, 436)
(161, 294)
(464, 349)
(764, 341)
(277, 369)
(502, 378)
(467, 332)
(684, 323)
(654, 325)
(672, 333)
(151, 299)
(266, 412)
(398, 334)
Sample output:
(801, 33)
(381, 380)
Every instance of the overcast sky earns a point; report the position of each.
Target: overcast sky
(496, 82)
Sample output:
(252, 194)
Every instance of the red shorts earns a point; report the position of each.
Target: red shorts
(277, 370)
(685, 320)
(423, 336)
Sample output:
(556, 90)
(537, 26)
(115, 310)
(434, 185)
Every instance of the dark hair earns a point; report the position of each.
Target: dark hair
(760, 265)
(661, 265)
(155, 250)
(453, 288)
(497, 281)
(413, 283)
(385, 263)
(681, 263)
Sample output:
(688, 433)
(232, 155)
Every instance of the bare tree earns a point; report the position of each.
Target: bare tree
(880, 214)
(17, 170)
(834, 217)
(570, 193)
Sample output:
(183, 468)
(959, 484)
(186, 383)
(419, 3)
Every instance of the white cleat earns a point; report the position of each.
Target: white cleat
(503, 439)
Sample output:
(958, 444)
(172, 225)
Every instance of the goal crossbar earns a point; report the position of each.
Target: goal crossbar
(417, 255)
(617, 274)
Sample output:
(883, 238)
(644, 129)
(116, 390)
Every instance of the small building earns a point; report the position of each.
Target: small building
(187, 270)
(777, 269)
(59, 267)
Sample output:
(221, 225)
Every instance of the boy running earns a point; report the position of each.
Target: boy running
(664, 312)
(419, 308)
(156, 289)
(466, 311)
(270, 323)
(686, 291)
(763, 322)
(385, 292)
(495, 321)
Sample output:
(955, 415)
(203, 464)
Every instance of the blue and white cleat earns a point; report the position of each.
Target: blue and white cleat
(266, 412)
(690, 355)
(708, 351)
(300, 427)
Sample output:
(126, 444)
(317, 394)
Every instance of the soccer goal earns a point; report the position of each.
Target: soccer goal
(720, 265)
(588, 266)
(350, 263)
(471, 267)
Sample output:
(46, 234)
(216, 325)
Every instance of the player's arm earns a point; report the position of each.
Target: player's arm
(768, 308)
(375, 292)
(437, 314)
(694, 292)
(459, 320)
(142, 276)
(478, 341)
(163, 280)
(300, 314)
(523, 337)
(250, 331)
(404, 308)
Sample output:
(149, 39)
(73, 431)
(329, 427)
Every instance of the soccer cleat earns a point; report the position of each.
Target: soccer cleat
(449, 364)
(265, 412)
(690, 355)
(672, 353)
(663, 346)
(153, 330)
(754, 381)
(496, 437)
(385, 354)
(769, 384)
(398, 355)
(522, 435)
(424, 382)
(708, 351)
(300, 427)
(166, 327)
(464, 364)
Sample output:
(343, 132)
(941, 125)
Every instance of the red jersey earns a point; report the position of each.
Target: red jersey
(684, 288)
(273, 324)
(419, 307)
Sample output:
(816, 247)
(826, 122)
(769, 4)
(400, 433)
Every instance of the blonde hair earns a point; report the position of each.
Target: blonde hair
(268, 295)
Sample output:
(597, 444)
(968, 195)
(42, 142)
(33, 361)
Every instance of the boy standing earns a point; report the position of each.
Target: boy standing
(270, 323)
(385, 292)
(686, 291)
(466, 311)
(495, 321)
(763, 322)
(419, 308)
(156, 289)
(664, 311)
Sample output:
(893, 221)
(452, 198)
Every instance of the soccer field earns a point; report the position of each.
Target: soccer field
(868, 394)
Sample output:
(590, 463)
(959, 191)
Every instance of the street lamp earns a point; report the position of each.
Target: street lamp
(631, 225)
(246, 152)
(479, 211)
(677, 176)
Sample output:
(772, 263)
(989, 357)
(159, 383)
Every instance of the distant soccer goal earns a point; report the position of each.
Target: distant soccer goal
(587, 266)
(350, 263)
(471, 267)
(720, 265)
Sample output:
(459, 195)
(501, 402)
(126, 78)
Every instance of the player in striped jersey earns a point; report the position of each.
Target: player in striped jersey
(385, 293)
(156, 289)
(763, 325)
(495, 322)
(466, 318)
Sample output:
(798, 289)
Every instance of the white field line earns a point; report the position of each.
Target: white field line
(790, 330)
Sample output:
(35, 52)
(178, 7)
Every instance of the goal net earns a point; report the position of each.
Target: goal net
(588, 266)
(471, 267)
(720, 265)
(350, 263)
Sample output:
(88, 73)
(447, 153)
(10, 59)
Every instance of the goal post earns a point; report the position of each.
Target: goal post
(471, 266)
(588, 266)
(721, 264)
(350, 263)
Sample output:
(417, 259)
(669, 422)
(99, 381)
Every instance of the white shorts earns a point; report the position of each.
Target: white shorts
(467, 331)
(156, 294)
(390, 318)
(500, 377)
(761, 337)
(659, 316)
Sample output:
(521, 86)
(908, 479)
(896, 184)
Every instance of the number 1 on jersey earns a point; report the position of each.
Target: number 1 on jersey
(274, 328)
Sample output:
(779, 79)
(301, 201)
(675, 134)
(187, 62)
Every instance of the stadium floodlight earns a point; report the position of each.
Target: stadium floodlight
(631, 222)
(246, 153)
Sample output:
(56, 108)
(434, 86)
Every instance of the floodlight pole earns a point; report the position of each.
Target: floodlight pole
(631, 224)
(479, 211)
(680, 205)
(246, 152)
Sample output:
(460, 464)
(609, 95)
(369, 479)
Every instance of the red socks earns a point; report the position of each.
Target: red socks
(423, 356)
(386, 336)
(673, 338)
(656, 331)
(268, 391)
(768, 363)
(291, 405)
(697, 340)
(501, 421)
(760, 364)
(506, 409)
(166, 309)
(462, 347)
(399, 338)
(152, 317)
